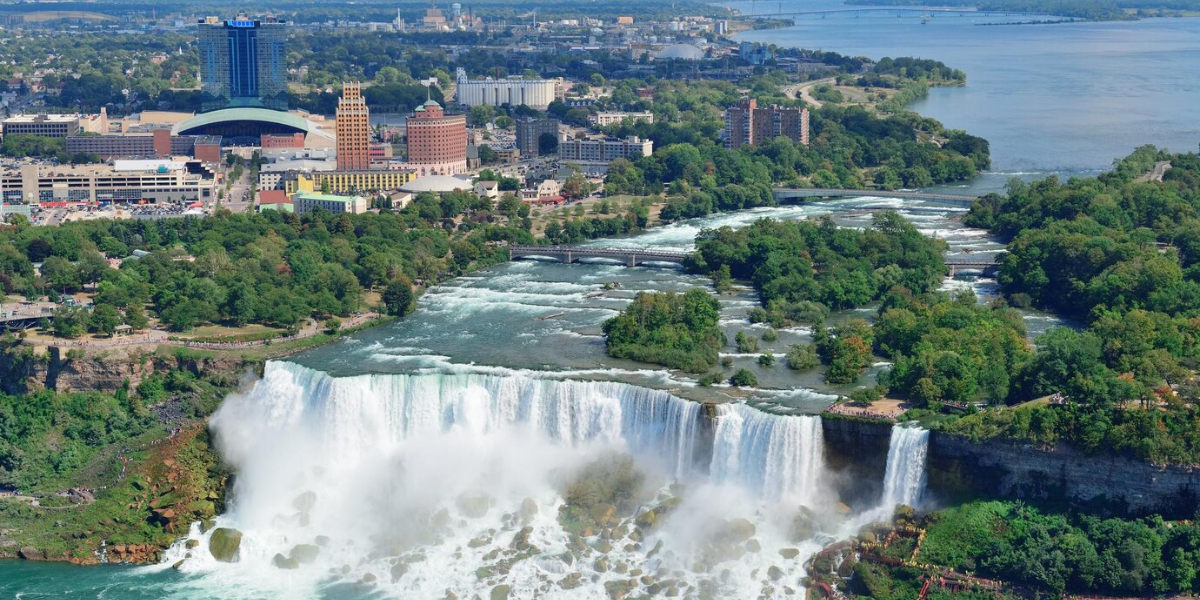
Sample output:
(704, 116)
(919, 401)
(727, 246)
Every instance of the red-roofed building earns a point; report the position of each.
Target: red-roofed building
(274, 200)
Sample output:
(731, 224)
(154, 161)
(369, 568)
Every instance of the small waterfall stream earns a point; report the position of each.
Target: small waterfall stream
(904, 481)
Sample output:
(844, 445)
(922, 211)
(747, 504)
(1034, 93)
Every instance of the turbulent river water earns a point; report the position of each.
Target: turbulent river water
(430, 458)
(416, 458)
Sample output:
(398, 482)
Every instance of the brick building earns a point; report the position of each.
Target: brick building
(746, 124)
(437, 142)
(353, 130)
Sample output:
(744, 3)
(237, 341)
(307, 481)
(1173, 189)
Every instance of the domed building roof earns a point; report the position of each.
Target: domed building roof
(681, 52)
(436, 184)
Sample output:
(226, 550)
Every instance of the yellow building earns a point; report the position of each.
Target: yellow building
(341, 182)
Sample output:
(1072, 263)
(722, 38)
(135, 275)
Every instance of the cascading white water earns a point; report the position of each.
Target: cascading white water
(782, 458)
(904, 480)
(413, 485)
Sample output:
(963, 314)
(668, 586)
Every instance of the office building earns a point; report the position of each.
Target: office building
(437, 142)
(602, 149)
(353, 130)
(514, 91)
(243, 63)
(157, 144)
(530, 132)
(54, 126)
(306, 202)
(748, 125)
(123, 181)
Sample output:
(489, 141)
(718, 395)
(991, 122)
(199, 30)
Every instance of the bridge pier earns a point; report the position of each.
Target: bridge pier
(633, 260)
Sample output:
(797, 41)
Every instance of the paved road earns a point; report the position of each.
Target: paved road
(1160, 169)
(803, 89)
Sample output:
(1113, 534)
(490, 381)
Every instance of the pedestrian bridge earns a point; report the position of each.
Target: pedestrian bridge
(569, 254)
(985, 264)
(955, 200)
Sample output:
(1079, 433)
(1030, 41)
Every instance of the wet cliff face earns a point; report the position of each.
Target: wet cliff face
(22, 372)
(856, 457)
(959, 469)
(1099, 483)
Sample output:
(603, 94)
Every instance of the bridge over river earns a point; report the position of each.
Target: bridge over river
(955, 200)
(984, 264)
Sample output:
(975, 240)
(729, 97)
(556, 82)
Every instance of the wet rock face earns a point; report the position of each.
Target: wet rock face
(224, 544)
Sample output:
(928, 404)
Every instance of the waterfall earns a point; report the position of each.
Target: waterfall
(428, 482)
(778, 457)
(904, 481)
(357, 416)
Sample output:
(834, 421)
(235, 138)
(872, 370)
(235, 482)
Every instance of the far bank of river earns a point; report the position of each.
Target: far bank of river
(1065, 98)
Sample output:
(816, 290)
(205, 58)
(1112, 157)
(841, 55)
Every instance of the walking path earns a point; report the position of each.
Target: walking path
(160, 337)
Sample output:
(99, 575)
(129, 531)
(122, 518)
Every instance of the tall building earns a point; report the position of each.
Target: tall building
(530, 132)
(748, 125)
(437, 142)
(353, 130)
(243, 62)
(514, 91)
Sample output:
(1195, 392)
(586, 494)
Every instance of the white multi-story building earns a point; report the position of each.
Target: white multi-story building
(514, 91)
(604, 119)
(602, 149)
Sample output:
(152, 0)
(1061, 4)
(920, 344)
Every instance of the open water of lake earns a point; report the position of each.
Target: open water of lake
(1065, 98)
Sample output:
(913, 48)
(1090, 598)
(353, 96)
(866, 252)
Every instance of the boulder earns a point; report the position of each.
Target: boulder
(501, 592)
(774, 572)
(738, 531)
(224, 543)
(603, 514)
(399, 570)
(305, 553)
(529, 509)
(284, 562)
(474, 505)
(789, 553)
(305, 502)
(571, 581)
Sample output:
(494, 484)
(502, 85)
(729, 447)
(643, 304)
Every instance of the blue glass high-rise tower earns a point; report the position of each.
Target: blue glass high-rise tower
(243, 62)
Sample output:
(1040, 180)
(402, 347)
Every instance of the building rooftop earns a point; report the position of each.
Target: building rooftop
(324, 197)
(43, 119)
(197, 123)
(273, 197)
(436, 183)
(680, 51)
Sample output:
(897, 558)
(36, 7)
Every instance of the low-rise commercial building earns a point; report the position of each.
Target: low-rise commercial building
(602, 149)
(159, 144)
(55, 126)
(124, 181)
(340, 182)
(604, 119)
(307, 202)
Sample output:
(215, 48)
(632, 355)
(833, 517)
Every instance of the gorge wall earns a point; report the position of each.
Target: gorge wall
(1063, 476)
(23, 371)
